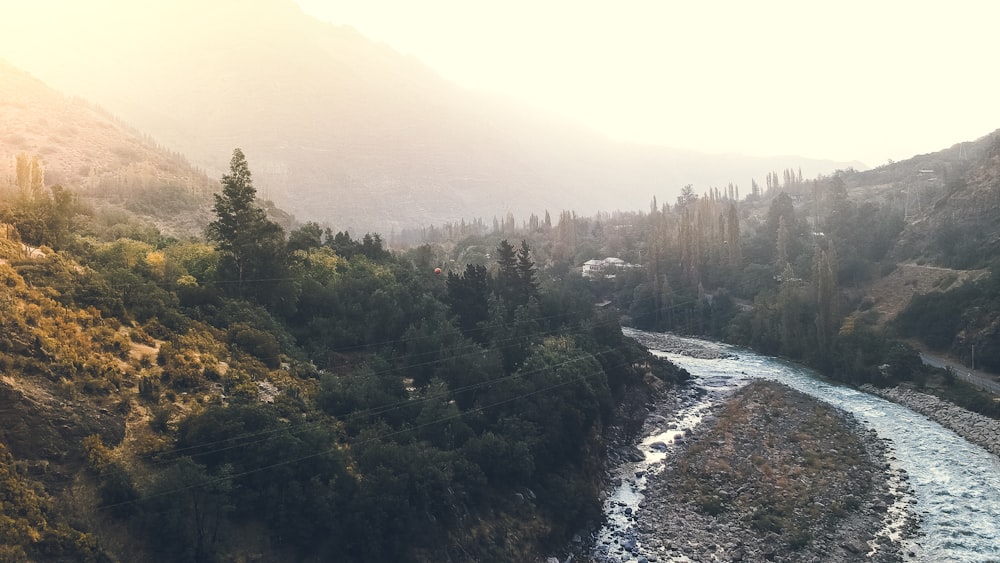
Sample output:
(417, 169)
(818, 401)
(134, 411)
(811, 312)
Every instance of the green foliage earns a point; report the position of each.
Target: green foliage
(30, 526)
(164, 201)
(958, 319)
(292, 475)
(468, 297)
(361, 393)
(370, 246)
(414, 416)
(307, 237)
(43, 218)
(960, 244)
(184, 511)
(252, 247)
(258, 343)
(863, 235)
(936, 318)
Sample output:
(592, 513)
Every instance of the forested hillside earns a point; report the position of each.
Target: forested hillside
(187, 374)
(846, 273)
(303, 395)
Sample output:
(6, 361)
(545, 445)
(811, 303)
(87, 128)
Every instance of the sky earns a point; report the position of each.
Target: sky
(871, 81)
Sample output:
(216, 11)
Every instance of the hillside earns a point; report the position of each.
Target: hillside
(961, 228)
(890, 295)
(343, 130)
(312, 398)
(96, 156)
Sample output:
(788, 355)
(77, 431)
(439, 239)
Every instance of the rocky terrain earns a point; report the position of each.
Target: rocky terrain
(770, 475)
(976, 428)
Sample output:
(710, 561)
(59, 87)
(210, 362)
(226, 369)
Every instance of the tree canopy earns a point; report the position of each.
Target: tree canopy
(252, 246)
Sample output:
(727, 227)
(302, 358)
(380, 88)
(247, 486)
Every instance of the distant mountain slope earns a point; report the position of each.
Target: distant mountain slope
(338, 128)
(962, 228)
(80, 145)
(951, 200)
(94, 155)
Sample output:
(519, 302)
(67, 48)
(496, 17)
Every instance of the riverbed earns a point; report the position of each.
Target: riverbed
(955, 484)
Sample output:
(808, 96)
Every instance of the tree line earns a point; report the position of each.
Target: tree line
(349, 401)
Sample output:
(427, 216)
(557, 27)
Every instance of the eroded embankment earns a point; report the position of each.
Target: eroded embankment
(773, 475)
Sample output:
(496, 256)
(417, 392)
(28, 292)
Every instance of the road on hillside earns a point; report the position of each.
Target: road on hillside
(978, 378)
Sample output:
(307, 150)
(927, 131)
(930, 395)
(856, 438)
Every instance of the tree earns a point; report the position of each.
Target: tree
(687, 196)
(526, 274)
(507, 275)
(468, 298)
(307, 237)
(781, 245)
(252, 246)
(825, 295)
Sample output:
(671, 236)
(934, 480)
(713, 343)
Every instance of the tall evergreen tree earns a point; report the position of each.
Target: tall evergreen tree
(527, 281)
(252, 246)
(507, 275)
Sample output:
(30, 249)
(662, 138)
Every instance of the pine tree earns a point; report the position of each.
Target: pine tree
(507, 275)
(527, 282)
(252, 246)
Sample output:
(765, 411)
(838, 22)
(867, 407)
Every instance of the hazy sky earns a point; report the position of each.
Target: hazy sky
(844, 80)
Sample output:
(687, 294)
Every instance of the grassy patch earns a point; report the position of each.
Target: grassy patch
(777, 462)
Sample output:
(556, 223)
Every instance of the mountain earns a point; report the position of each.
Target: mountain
(961, 228)
(85, 149)
(340, 129)
(951, 199)
(81, 144)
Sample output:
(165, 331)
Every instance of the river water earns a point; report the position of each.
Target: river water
(956, 484)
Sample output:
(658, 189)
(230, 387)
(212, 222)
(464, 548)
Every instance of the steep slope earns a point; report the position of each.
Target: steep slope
(80, 144)
(961, 228)
(340, 129)
(93, 154)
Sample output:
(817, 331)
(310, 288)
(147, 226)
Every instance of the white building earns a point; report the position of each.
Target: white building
(592, 268)
(604, 268)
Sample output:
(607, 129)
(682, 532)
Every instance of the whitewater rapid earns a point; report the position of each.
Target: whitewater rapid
(955, 484)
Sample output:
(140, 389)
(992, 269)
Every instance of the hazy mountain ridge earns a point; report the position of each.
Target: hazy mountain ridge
(80, 145)
(338, 128)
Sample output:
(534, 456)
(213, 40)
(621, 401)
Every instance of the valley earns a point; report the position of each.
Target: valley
(274, 290)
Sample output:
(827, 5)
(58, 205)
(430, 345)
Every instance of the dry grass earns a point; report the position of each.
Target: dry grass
(775, 460)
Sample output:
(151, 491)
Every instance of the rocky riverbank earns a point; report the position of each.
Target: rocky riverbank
(667, 342)
(770, 475)
(976, 428)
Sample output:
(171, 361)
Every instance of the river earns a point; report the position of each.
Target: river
(956, 485)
